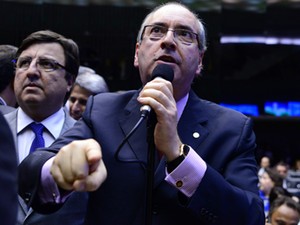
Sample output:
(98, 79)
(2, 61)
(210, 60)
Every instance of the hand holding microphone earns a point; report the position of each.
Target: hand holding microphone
(158, 95)
(162, 71)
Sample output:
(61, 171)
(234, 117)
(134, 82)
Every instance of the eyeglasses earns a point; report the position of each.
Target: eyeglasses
(157, 32)
(44, 64)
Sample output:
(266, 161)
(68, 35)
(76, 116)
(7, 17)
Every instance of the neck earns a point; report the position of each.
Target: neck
(39, 114)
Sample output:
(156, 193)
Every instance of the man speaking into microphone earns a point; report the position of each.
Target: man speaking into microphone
(205, 170)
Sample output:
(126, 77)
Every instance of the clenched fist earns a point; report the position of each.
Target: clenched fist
(78, 166)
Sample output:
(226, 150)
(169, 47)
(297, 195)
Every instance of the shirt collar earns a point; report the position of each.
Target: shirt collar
(181, 105)
(52, 123)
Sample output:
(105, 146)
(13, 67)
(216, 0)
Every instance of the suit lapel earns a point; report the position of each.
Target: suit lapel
(12, 121)
(69, 122)
(136, 146)
(191, 126)
(22, 210)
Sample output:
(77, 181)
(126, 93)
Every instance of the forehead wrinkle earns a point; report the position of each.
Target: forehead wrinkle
(45, 50)
(175, 17)
(178, 26)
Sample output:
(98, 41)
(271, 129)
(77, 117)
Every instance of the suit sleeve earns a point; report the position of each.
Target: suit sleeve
(8, 175)
(30, 168)
(230, 193)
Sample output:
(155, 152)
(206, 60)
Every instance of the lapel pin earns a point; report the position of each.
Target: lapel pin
(196, 135)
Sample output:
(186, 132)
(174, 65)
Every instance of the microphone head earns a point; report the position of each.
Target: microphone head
(164, 71)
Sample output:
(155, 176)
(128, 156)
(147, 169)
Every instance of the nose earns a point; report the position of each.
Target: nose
(75, 110)
(168, 41)
(32, 71)
(76, 106)
(33, 64)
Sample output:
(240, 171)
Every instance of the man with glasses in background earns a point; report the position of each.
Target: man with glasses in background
(46, 66)
(206, 172)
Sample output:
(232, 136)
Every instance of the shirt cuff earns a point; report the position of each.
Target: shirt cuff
(49, 191)
(185, 182)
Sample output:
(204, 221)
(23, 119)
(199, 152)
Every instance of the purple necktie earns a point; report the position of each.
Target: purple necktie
(38, 141)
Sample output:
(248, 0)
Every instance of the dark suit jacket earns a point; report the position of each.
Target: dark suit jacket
(227, 194)
(72, 213)
(8, 175)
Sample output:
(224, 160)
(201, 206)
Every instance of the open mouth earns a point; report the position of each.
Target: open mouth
(168, 59)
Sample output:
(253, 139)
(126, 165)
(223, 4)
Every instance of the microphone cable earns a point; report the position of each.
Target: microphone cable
(144, 115)
(161, 70)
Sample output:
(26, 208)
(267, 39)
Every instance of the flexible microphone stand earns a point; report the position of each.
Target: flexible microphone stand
(150, 166)
(151, 122)
(166, 72)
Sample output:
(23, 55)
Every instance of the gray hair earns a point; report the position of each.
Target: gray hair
(201, 31)
(92, 82)
(84, 69)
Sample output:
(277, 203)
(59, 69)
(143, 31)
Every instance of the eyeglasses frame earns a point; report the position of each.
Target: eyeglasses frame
(57, 64)
(168, 29)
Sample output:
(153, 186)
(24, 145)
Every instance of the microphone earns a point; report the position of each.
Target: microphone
(161, 70)
(166, 72)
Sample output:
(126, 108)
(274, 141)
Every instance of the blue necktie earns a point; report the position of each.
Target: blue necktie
(38, 141)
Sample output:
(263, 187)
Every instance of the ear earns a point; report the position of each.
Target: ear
(69, 88)
(136, 58)
(199, 68)
(70, 82)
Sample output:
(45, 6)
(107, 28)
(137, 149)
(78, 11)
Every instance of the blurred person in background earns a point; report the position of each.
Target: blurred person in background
(282, 168)
(268, 180)
(86, 84)
(293, 178)
(265, 162)
(284, 211)
(7, 73)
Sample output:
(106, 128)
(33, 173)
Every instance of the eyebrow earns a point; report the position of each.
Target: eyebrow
(24, 57)
(38, 58)
(179, 26)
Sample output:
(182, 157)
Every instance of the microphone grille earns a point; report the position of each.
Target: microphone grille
(164, 71)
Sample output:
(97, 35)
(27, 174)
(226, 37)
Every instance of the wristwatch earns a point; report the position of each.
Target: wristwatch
(183, 151)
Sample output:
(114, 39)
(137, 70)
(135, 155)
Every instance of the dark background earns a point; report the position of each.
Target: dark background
(235, 73)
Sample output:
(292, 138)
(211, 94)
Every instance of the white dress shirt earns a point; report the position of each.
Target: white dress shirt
(53, 126)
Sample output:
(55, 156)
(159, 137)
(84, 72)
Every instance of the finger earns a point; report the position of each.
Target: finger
(71, 164)
(161, 85)
(83, 160)
(59, 178)
(93, 181)
(79, 165)
(93, 154)
(64, 161)
(97, 171)
(85, 163)
(158, 95)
